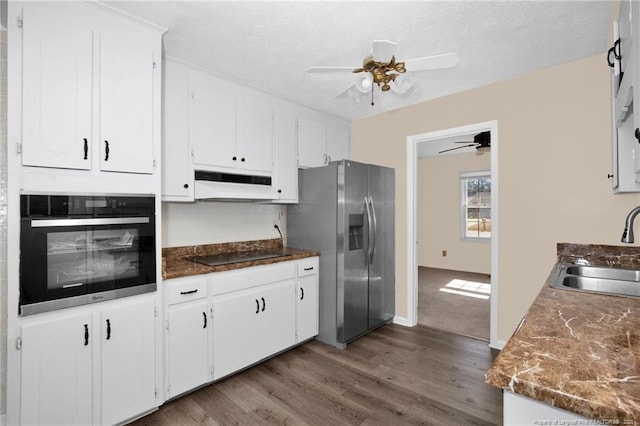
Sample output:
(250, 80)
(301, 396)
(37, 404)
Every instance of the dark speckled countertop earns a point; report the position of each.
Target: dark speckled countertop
(578, 351)
(175, 263)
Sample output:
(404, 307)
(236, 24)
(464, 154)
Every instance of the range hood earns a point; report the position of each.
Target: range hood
(216, 185)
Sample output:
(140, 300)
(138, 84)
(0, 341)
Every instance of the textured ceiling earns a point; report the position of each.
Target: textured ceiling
(269, 45)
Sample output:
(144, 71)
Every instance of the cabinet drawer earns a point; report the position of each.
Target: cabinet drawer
(308, 266)
(240, 279)
(185, 289)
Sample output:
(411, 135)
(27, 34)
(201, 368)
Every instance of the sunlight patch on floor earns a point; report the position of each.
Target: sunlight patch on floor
(467, 288)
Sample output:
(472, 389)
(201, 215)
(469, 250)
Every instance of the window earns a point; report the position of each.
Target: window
(475, 202)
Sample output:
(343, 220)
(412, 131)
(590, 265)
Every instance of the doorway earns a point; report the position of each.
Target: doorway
(478, 280)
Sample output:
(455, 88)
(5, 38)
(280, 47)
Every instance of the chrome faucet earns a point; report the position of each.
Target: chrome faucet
(627, 235)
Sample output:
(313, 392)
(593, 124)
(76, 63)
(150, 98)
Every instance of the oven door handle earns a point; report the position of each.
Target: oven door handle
(46, 223)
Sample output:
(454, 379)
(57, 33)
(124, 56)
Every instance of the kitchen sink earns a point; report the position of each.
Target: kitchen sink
(597, 279)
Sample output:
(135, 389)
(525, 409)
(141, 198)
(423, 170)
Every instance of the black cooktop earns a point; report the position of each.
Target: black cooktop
(235, 257)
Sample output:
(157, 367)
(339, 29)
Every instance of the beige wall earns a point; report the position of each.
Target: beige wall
(554, 156)
(439, 214)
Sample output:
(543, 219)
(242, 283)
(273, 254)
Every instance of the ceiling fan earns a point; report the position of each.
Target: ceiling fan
(382, 69)
(482, 142)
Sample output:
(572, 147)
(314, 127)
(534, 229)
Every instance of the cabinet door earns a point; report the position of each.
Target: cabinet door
(213, 123)
(235, 331)
(255, 134)
(307, 307)
(177, 170)
(636, 86)
(57, 372)
(337, 144)
(277, 317)
(56, 89)
(128, 360)
(188, 344)
(286, 176)
(312, 143)
(126, 104)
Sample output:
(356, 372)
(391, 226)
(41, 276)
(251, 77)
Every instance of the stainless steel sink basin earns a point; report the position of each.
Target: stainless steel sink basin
(604, 272)
(597, 279)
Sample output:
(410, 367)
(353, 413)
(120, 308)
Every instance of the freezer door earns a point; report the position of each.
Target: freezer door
(353, 229)
(382, 259)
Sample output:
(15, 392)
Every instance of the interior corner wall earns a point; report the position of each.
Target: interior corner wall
(439, 215)
(554, 139)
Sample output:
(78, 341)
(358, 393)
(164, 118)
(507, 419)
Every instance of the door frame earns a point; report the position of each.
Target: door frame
(412, 214)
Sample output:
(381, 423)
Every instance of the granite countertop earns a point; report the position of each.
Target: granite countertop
(175, 263)
(578, 351)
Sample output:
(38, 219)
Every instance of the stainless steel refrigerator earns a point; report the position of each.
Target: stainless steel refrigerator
(346, 211)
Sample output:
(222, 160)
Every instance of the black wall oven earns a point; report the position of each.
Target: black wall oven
(79, 249)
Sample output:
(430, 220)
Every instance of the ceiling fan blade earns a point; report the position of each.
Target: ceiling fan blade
(383, 50)
(458, 147)
(446, 60)
(314, 70)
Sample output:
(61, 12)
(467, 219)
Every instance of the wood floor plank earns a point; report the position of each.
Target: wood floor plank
(393, 375)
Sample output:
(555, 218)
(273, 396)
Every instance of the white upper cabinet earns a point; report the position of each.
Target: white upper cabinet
(286, 176)
(57, 82)
(625, 88)
(635, 28)
(338, 143)
(177, 165)
(88, 81)
(255, 148)
(126, 104)
(232, 131)
(312, 143)
(213, 122)
(320, 142)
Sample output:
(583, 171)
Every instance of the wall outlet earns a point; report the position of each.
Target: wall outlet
(444, 253)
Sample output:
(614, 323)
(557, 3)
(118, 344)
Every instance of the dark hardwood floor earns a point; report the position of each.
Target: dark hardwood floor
(394, 375)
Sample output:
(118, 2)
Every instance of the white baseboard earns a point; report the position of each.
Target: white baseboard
(402, 321)
(3, 419)
(498, 345)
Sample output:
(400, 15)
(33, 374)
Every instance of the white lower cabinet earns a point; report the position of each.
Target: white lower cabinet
(521, 410)
(307, 299)
(128, 360)
(57, 371)
(188, 327)
(253, 323)
(64, 357)
(222, 322)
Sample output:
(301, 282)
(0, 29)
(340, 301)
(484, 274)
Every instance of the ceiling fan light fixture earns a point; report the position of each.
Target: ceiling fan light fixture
(480, 150)
(364, 84)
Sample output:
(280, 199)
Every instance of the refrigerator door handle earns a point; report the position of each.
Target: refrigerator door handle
(367, 255)
(375, 229)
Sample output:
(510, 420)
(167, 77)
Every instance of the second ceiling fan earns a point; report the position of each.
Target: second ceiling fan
(382, 69)
(481, 141)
